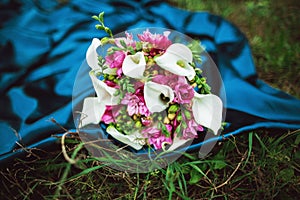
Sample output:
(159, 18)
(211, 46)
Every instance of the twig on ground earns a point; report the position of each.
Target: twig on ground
(235, 170)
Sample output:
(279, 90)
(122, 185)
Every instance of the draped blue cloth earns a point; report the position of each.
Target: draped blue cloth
(43, 43)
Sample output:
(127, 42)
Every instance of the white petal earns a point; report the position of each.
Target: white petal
(134, 65)
(92, 111)
(180, 50)
(133, 140)
(177, 142)
(174, 54)
(112, 71)
(207, 111)
(104, 93)
(91, 54)
(152, 95)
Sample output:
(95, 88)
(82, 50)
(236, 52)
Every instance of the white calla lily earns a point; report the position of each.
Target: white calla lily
(178, 142)
(105, 94)
(91, 54)
(94, 107)
(92, 111)
(134, 65)
(92, 58)
(157, 96)
(135, 140)
(207, 111)
(176, 60)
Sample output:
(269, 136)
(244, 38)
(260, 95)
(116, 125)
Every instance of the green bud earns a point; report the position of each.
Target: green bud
(173, 108)
(101, 17)
(198, 71)
(179, 118)
(106, 29)
(198, 81)
(187, 114)
(104, 40)
(203, 80)
(184, 125)
(95, 17)
(138, 124)
(178, 130)
(111, 77)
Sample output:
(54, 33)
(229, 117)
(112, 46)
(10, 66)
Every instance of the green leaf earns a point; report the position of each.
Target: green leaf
(122, 42)
(116, 49)
(95, 17)
(108, 31)
(165, 130)
(131, 50)
(138, 45)
(99, 27)
(218, 161)
(178, 130)
(286, 174)
(124, 86)
(130, 90)
(196, 48)
(219, 164)
(195, 176)
(101, 17)
(297, 140)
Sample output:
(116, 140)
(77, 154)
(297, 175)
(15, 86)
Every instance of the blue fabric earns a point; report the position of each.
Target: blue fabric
(43, 43)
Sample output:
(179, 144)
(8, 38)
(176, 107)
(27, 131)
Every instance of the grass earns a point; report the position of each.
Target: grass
(263, 164)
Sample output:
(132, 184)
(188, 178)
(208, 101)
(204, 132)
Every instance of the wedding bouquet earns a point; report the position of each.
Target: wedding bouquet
(149, 90)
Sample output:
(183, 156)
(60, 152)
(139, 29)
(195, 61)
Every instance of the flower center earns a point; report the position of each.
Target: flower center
(135, 59)
(181, 63)
(164, 98)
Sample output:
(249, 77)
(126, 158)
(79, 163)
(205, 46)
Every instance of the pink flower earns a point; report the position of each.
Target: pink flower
(115, 60)
(169, 127)
(156, 138)
(171, 80)
(184, 93)
(191, 131)
(165, 80)
(128, 40)
(143, 110)
(157, 40)
(132, 102)
(111, 84)
(110, 114)
(135, 104)
(146, 121)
